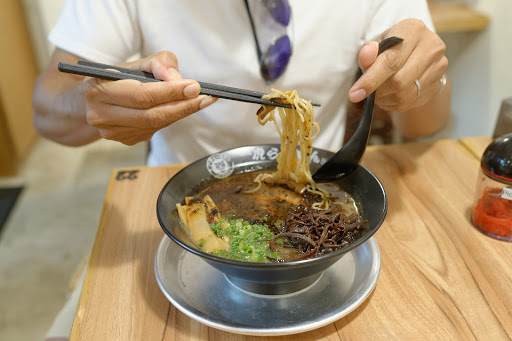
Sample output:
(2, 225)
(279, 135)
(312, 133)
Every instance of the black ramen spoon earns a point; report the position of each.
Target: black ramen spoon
(347, 159)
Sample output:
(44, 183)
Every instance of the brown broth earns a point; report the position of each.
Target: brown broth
(271, 203)
(263, 223)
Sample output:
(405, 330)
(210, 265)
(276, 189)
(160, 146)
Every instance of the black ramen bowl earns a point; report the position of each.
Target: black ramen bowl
(266, 278)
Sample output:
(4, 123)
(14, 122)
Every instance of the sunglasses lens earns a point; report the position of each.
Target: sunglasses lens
(274, 62)
(280, 10)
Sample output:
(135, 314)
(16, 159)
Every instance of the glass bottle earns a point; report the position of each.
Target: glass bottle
(492, 209)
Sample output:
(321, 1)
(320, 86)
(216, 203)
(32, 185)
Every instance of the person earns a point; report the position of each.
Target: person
(213, 42)
(318, 50)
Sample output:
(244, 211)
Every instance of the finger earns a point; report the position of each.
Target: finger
(368, 54)
(154, 118)
(387, 64)
(410, 95)
(413, 69)
(427, 60)
(118, 131)
(165, 115)
(134, 94)
(132, 140)
(129, 139)
(432, 78)
(121, 133)
(163, 65)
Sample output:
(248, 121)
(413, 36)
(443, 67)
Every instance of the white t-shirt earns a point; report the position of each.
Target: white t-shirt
(214, 43)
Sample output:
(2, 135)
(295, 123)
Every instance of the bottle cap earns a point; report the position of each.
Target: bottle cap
(497, 158)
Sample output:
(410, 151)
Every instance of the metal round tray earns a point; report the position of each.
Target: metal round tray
(206, 295)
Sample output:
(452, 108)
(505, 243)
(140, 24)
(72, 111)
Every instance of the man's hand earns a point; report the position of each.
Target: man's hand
(129, 111)
(76, 110)
(392, 75)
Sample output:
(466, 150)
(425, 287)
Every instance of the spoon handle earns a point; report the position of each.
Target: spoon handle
(389, 42)
(347, 159)
(357, 144)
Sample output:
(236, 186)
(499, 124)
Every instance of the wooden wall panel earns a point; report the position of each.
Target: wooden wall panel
(18, 71)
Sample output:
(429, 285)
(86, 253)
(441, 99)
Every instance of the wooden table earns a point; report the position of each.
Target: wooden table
(440, 279)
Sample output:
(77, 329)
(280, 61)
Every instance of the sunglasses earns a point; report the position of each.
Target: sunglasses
(273, 46)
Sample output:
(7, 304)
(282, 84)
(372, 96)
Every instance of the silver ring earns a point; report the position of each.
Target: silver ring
(443, 83)
(418, 85)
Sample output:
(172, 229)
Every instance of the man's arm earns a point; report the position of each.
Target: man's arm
(59, 106)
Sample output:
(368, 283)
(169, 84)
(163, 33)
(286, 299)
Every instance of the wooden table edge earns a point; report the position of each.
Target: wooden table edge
(474, 149)
(84, 295)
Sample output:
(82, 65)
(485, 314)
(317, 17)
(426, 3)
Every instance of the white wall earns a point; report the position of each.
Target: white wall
(480, 63)
(500, 52)
(480, 67)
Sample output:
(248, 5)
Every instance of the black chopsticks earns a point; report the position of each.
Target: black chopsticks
(104, 71)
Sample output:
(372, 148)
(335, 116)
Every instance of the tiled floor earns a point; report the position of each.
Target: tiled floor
(52, 228)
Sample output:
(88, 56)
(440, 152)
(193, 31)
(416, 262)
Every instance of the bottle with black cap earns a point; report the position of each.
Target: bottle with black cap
(492, 209)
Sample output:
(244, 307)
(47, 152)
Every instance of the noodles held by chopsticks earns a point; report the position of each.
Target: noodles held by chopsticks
(298, 128)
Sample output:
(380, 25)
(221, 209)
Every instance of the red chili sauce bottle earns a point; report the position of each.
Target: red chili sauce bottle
(492, 210)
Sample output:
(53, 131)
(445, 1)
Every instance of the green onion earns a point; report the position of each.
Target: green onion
(248, 242)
